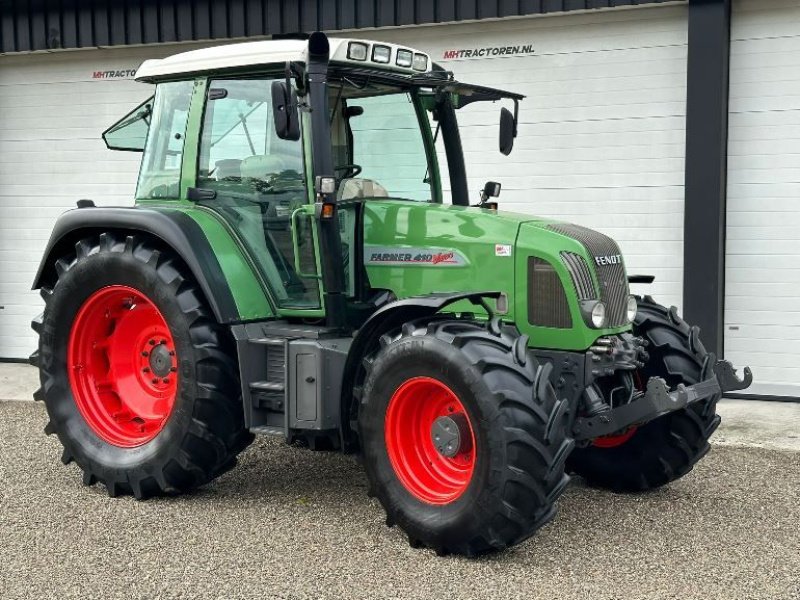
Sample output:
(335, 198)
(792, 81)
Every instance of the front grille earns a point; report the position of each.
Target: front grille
(581, 276)
(611, 277)
(547, 302)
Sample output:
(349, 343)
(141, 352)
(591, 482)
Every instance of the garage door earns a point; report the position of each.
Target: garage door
(53, 108)
(602, 134)
(762, 315)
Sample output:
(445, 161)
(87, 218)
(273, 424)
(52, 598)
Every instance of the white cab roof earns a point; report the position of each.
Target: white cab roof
(267, 52)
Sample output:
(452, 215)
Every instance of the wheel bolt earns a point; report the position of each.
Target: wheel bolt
(145, 353)
(172, 352)
(164, 342)
(165, 380)
(152, 342)
(155, 380)
(173, 369)
(146, 370)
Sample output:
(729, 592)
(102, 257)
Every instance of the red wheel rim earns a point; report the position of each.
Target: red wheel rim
(612, 441)
(427, 474)
(122, 366)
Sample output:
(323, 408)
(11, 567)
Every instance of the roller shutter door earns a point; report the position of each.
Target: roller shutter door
(762, 276)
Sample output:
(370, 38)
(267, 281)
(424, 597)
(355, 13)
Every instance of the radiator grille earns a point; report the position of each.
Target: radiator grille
(611, 277)
(547, 301)
(581, 276)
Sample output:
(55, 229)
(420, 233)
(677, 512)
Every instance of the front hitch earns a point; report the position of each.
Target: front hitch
(658, 400)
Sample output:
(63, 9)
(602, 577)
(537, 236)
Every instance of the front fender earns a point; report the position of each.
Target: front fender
(387, 318)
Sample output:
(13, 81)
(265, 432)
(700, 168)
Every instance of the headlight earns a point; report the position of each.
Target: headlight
(404, 58)
(632, 308)
(381, 54)
(420, 62)
(599, 315)
(357, 51)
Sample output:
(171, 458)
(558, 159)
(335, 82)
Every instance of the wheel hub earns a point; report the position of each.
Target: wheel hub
(449, 433)
(160, 360)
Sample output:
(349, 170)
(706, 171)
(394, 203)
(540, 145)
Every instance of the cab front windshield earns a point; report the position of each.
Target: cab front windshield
(378, 136)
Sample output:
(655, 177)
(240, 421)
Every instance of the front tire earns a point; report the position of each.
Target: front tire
(498, 483)
(667, 448)
(137, 377)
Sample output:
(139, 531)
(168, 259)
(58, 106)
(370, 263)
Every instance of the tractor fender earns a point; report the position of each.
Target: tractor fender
(387, 318)
(175, 229)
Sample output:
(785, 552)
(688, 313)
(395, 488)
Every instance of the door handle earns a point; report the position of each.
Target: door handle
(295, 226)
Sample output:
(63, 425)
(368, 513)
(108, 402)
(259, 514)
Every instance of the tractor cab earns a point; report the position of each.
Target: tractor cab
(291, 142)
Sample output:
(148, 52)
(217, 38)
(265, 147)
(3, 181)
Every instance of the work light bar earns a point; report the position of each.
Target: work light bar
(386, 55)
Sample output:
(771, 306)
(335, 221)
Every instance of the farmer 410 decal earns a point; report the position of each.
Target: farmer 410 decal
(432, 257)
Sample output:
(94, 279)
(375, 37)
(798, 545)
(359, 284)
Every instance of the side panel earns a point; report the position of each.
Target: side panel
(248, 291)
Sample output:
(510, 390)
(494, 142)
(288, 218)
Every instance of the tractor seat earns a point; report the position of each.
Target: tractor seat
(357, 187)
(262, 166)
(228, 168)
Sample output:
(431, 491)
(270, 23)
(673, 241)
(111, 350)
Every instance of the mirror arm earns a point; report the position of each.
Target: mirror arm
(516, 115)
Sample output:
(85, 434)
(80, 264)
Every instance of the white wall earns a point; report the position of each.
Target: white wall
(52, 112)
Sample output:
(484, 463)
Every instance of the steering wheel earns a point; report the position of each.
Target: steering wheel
(349, 171)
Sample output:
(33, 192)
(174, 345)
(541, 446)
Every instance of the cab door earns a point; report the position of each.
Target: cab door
(257, 183)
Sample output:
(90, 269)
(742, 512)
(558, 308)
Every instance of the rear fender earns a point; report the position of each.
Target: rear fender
(172, 227)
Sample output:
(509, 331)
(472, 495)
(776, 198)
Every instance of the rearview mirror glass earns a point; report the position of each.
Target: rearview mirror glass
(284, 111)
(506, 131)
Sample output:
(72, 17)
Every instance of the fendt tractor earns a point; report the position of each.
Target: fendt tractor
(298, 265)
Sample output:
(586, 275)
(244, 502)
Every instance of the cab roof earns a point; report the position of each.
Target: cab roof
(248, 54)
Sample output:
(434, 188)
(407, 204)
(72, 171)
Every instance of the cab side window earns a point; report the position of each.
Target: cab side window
(239, 148)
(160, 174)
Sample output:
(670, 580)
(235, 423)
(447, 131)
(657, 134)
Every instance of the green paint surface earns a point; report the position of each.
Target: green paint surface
(248, 294)
(398, 233)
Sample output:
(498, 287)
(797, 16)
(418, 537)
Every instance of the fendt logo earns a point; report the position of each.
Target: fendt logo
(487, 51)
(609, 259)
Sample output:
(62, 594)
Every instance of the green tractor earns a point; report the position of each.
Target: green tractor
(293, 268)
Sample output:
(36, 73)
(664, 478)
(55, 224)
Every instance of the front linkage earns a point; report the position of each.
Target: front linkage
(718, 377)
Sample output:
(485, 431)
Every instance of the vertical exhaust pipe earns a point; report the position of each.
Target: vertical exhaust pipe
(322, 166)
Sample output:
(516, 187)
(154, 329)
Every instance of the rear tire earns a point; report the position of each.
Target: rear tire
(667, 448)
(190, 416)
(517, 425)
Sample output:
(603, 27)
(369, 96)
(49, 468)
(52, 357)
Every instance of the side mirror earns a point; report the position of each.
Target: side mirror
(507, 133)
(490, 190)
(284, 111)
